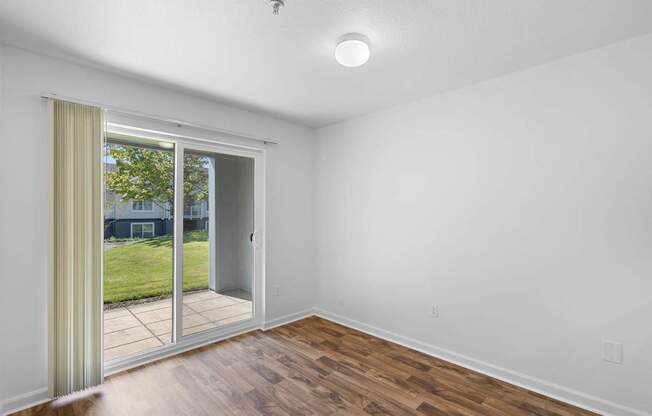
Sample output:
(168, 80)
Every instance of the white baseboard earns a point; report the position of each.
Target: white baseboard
(286, 319)
(555, 391)
(24, 401)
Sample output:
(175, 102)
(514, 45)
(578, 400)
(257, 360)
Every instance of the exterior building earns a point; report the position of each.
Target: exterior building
(146, 219)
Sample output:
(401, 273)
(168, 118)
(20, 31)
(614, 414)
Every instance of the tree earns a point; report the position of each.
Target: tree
(143, 174)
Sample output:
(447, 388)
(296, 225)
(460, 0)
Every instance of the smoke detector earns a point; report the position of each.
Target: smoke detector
(276, 5)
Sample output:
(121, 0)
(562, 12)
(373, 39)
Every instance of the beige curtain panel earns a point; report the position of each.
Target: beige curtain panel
(76, 248)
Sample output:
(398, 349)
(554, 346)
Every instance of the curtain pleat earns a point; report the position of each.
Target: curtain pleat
(77, 248)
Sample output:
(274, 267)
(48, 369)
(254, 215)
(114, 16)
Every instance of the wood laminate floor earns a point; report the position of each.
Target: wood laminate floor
(309, 367)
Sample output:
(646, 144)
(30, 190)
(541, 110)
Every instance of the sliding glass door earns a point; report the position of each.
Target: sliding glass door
(181, 258)
(218, 223)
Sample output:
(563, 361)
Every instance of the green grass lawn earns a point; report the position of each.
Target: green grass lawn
(143, 268)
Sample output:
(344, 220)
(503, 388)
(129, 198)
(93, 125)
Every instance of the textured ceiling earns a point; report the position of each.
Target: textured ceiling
(238, 52)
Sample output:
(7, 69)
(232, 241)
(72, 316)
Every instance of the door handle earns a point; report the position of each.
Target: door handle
(253, 239)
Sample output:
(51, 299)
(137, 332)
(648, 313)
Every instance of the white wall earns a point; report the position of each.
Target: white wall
(522, 206)
(24, 186)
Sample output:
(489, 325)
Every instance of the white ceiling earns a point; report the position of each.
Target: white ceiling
(238, 52)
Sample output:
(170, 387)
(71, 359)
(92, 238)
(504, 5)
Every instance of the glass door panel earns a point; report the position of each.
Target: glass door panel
(218, 255)
(138, 244)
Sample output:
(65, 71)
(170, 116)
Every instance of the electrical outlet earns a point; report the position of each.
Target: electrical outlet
(612, 351)
(434, 312)
(276, 290)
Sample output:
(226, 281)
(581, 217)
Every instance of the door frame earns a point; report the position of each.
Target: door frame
(258, 314)
(184, 343)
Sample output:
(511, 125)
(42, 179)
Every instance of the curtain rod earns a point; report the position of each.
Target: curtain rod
(178, 123)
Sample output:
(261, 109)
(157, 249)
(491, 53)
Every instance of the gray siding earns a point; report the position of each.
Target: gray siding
(119, 215)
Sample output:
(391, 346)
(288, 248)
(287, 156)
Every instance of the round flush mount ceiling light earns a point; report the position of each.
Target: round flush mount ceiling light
(166, 145)
(352, 50)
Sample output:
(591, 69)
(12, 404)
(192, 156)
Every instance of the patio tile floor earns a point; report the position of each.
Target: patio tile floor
(132, 329)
